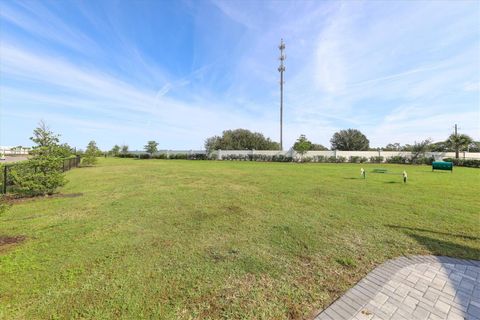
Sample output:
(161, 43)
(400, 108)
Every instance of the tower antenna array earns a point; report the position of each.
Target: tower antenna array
(281, 69)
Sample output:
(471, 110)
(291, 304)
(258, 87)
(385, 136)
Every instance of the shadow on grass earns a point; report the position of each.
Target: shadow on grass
(433, 231)
(446, 248)
(390, 182)
(442, 247)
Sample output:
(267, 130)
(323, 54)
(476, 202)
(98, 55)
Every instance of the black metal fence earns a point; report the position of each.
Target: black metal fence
(6, 182)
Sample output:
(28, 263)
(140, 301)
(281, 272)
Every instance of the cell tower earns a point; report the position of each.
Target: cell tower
(281, 69)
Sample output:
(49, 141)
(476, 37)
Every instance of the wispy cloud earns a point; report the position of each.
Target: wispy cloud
(185, 71)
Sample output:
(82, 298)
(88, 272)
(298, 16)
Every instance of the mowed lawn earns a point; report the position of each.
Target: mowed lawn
(159, 239)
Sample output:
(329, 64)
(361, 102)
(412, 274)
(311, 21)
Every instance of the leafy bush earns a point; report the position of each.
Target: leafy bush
(126, 155)
(377, 159)
(160, 156)
(331, 159)
(43, 173)
(341, 159)
(178, 156)
(144, 156)
(197, 156)
(397, 159)
(354, 159)
(282, 158)
(91, 154)
(472, 163)
(319, 158)
(423, 160)
(38, 176)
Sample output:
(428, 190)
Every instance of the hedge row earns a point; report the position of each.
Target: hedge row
(406, 160)
(320, 159)
(184, 156)
(472, 163)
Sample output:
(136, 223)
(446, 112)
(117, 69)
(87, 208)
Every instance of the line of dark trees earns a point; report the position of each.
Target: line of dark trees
(348, 140)
(345, 140)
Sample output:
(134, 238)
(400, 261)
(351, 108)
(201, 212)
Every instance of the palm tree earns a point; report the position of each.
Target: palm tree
(458, 142)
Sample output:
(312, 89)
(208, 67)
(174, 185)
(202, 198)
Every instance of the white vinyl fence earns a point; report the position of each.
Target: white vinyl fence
(220, 154)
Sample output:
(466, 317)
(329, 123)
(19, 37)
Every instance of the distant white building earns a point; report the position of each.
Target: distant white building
(18, 150)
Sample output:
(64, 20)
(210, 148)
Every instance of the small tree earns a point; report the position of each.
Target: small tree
(458, 142)
(302, 145)
(44, 138)
(115, 150)
(420, 148)
(151, 147)
(124, 149)
(240, 139)
(349, 140)
(42, 174)
(91, 153)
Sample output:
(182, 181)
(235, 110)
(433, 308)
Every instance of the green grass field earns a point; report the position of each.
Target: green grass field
(205, 239)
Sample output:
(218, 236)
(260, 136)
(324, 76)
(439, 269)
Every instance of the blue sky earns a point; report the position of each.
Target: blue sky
(124, 72)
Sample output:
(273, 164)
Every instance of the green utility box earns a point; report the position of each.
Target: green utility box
(442, 165)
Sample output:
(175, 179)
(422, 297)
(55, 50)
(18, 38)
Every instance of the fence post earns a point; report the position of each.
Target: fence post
(5, 170)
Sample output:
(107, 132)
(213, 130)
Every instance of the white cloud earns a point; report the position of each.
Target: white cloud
(383, 68)
(472, 86)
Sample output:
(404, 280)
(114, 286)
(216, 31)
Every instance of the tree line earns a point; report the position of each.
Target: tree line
(343, 140)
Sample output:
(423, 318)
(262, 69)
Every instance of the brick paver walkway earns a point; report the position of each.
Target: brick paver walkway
(418, 287)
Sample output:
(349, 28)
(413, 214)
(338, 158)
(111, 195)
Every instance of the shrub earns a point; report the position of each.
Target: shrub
(341, 159)
(377, 159)
(423, 160)
(197, 156)
(144, 156)
(397, 159)
(178, 156)
(43, 173)
(472, 163)
(281, 158)
(354, 159)
(37, 176)
(160, 156)
(126, 155)
(331, 159)
(91, 153)
(363, 159)
(319, 158)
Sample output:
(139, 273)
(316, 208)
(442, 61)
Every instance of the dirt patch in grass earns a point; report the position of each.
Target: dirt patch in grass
(9, 241)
